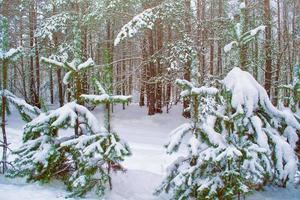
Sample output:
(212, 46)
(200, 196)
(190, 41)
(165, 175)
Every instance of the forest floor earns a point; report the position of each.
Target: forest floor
(145, 169)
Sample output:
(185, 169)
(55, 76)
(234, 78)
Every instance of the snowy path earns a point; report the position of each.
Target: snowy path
(145, 168)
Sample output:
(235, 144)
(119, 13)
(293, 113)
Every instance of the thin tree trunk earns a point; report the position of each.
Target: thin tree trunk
(31, 67)
(58, 70)
(143, 74)
(187, 66)
(212, 41)
(84, 41)
(159, 67)
(268, 35)
(201, 4)
(243, 50)
(23, 78)
(220, 45)
(3, 116)
(37, 61)
(123, 72)
(51, 86)
(5, 28)
(169, 86)
(151, 75)
(202, 8)
(278, 61)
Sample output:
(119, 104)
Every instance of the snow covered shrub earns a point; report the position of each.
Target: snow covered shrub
(78, 161)
(237, 141)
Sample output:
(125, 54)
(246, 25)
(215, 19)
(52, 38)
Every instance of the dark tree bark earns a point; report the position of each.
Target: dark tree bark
(220, 44)
(169, 85)
(5, 36)
(212, 42)
(23, 78)
(278, 61)
(244, 48)
(32, 86)
(151, 74)
(51, 86)
(159, 67)
(267, 46)
(123, 72)
(201, 10)
(187, 66)
(37, 62)
(143, 74)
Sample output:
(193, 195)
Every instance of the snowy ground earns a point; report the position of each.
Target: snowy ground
(145, 168)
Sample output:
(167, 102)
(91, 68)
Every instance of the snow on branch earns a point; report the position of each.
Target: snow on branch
(53, 24)
(176, 137)
(64, 117)
(242, 38)
(71, 68)
(52, 62)
(143, 20)
(104, 97)
(11, 54)
(26, 110)
(229, 46)
(99, 86)
(86, 65)
(248, 94)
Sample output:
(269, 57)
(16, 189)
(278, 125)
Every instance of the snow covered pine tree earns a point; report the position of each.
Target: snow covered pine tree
(116, 149)
(237, 141)
(80, 160)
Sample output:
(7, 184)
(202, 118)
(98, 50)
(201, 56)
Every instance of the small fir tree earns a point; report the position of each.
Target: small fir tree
(107, 99)
(79, 160)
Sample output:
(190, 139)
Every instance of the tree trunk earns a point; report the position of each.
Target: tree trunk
(143, 74)
(159, 67)
(212, 41)
(267, 46)
(58, 70)
(220, 45)
(169, 85)
(32, 92)
(123, 72)
(37, 61)
(84, 46)
(51, 86)
(243, 50)
(151, 75)
(3, 116)
(278, 61)
(5, 43)
(187, 66)
(23, 78)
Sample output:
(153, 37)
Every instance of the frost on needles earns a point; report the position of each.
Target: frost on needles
(237, 141)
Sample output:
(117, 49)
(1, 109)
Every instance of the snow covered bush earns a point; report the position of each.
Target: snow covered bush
(78, 161)
(237, 141)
